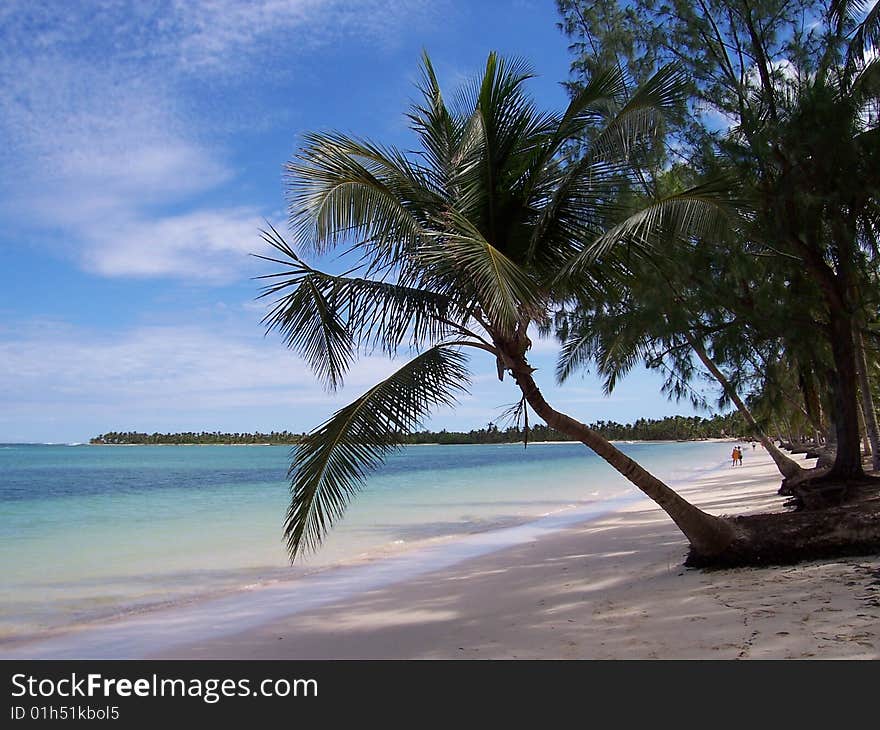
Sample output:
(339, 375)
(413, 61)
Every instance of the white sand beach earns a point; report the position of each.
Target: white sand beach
(613, 588)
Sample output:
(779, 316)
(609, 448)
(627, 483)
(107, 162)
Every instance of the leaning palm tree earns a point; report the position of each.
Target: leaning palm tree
(464, 246)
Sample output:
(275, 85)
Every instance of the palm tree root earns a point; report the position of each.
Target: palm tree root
(851, 528)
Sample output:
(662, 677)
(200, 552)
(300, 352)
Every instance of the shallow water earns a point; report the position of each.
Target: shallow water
(87, 532)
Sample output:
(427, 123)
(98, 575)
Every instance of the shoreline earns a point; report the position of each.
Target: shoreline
(291, 611)
(478, 540)
(429, 443)
(611, 588)
(40, 607)
(391, 551)
(136, 633)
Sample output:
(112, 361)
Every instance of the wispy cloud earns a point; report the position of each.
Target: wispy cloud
(219, 36)
(208, 34)
(103, 138)
(207, 245)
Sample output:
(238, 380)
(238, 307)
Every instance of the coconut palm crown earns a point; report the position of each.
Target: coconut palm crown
(488, 229)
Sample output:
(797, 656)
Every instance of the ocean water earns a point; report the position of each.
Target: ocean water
(89, 532)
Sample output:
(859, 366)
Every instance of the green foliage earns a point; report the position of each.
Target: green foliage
(194, 437)
(784, 101)
(670, 428)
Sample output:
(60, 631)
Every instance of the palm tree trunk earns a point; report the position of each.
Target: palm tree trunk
(787, 467)
(709, 535)
(868, 411)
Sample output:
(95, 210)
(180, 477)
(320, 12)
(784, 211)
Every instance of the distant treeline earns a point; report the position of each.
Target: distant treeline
(196, 437)
(671, 428)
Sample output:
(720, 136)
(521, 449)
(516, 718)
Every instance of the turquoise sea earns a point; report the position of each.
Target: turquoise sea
(88, 532)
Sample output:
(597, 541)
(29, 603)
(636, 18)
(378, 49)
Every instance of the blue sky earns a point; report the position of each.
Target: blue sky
(144, 144)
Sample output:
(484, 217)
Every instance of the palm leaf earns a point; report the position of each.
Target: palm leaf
(501, 288)
(342, 189)
(331, 463)
(502, 130)
(641, 116)
(371, 313)
(867, 29)
(589, 106)
(310, 323)
(580, 208)
(581, 204)
(865, 88)
(577, 351)
(439, 131)
(705, 210)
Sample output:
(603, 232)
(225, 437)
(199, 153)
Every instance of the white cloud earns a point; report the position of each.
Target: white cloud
(219, 36)
(101, 135)
(222, 35)
(91, 158)
(60, 382)
(69, 121)
(203, 245)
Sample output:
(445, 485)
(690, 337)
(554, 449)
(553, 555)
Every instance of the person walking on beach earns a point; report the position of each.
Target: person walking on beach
(733, 455)
(737, 456)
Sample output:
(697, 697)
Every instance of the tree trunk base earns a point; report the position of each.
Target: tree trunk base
(792, 485)
(822, 491)
(793, 537)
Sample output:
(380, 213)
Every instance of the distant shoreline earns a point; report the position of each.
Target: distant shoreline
(670, 428)
(720, 439)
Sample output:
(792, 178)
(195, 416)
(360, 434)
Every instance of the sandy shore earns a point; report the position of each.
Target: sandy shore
(611, 588)
(561, 587)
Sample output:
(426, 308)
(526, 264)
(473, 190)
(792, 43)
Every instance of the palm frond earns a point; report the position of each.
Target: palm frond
(865, 88)
(582, 204)
(371, 313)
(576, 353)
(501, 288)
(502, 131)
(867, 35)
(546, 180)
(332, 462)
(641, 116)
(615, 339)
(705, 210)
(439, 131)
(865, 15)
(590, 106)
(311, 324)
(341, 189)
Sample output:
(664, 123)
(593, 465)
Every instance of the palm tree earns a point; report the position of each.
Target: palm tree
(465, 245)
